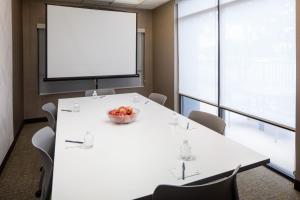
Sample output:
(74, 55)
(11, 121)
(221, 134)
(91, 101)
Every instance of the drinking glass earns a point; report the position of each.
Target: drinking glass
(175, 118)
(76, 107)
(88, 140)
(185, 151)
(135, 98)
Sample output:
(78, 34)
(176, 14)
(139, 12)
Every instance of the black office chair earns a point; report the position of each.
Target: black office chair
(224, 189)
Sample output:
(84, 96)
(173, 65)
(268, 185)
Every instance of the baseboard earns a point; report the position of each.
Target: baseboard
(35, 120)
(280, 173)
(11, 147)
(297, 185)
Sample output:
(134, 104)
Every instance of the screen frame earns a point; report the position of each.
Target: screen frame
(46, 78)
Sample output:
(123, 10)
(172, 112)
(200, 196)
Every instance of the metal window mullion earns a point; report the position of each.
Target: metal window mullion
(220, 114)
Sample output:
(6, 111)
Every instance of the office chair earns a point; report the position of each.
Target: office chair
(43, 140)
(89, 93)
(224, 189)
(51, 114)
(158, 98)
(208, 120)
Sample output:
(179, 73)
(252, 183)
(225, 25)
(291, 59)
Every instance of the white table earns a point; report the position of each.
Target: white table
(130, 161)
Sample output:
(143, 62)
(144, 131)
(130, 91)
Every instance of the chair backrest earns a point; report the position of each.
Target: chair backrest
(51, 114)
(44, 140)
(158, 98)
(225, 189)
(89, 93)
(209, 120)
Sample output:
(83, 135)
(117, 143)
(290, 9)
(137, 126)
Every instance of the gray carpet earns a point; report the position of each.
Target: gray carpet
(20, 177)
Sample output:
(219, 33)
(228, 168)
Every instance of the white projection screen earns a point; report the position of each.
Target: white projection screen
(90, 43)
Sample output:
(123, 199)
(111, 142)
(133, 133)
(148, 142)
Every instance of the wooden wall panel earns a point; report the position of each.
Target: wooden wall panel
(18, 103)
(163, 51)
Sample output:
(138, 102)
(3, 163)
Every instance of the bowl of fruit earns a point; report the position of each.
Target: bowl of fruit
(123, 115)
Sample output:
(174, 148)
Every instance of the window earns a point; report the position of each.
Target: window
(241, 57)
(274, 142)
(258, 58)
(198, 49)
(188, 105)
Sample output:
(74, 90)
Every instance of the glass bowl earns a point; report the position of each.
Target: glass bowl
(124, 118)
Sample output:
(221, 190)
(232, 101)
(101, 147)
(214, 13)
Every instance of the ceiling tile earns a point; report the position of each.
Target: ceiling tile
(141, 4)
(151, 4)
(98, 2)
(132, 2)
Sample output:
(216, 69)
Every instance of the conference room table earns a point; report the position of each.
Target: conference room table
(129, 161)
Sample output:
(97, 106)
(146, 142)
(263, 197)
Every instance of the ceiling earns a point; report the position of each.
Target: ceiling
(140, 4)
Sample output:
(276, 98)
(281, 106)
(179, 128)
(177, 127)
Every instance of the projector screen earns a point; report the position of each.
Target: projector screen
(88, 43)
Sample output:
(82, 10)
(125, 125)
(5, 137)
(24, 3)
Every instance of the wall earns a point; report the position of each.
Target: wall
(18, 104)
(163, 51)
(6, 66)
(34, 13)
(298, 93)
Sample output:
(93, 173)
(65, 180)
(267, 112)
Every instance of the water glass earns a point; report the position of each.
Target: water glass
(185, 151)
(135, 98)
(76, 107)
(174, 119)
(88, 140)
(95, 95)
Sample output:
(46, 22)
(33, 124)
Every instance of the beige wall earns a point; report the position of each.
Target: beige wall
(18, 104)
(163, 51)
(6, 67)
(34, 13)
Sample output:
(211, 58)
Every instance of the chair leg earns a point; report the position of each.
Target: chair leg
(38, 193)
(49, 188)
